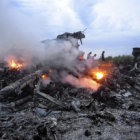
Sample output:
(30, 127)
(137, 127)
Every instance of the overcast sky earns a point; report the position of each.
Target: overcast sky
(112, 25)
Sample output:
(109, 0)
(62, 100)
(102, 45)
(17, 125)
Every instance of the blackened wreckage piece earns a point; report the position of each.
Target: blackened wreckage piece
(19, 102)
(77, 35)
(17, 86)
(37, 91)
(136, 54)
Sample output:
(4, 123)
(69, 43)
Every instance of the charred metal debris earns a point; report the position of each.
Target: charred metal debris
(30, 110)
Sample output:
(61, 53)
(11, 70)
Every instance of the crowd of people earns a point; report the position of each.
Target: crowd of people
(90, 60)
(91, 57)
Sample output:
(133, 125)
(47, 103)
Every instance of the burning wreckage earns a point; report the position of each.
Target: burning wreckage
(88, 99)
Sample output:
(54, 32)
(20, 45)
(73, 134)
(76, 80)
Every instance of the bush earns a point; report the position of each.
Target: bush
(109, 58)
(121, 59)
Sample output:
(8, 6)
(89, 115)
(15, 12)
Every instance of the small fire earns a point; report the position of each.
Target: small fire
(44, 76)
(15, 65)
(102, 71)
(81, 57)
(99, 75)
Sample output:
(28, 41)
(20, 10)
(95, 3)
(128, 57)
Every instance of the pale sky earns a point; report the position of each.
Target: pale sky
(112, 25)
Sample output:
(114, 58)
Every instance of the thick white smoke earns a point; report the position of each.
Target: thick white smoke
(18, 35)
(21, 38)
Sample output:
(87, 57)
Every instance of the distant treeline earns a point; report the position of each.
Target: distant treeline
(121, 59)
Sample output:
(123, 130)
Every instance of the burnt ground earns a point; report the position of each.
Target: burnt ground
(111, 113)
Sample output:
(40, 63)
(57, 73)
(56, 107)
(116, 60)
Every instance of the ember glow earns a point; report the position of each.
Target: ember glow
(81, 57)
(83, 82)
(44, 76)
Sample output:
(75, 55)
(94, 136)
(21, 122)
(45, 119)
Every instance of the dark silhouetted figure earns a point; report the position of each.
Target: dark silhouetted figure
(89, 55)
(103, 56)
(95, 55)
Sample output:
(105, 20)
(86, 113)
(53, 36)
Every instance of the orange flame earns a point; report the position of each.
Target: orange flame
(44, 76)
(15, 65)
(101, 71)
(81, 57)
(99, 75)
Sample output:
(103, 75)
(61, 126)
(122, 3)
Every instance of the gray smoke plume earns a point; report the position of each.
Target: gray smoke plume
(20, 38)
(17, 34)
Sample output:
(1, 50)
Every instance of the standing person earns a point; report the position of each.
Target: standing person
(90, 60)
(89, 55)
(94, 56)
(103, 56)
